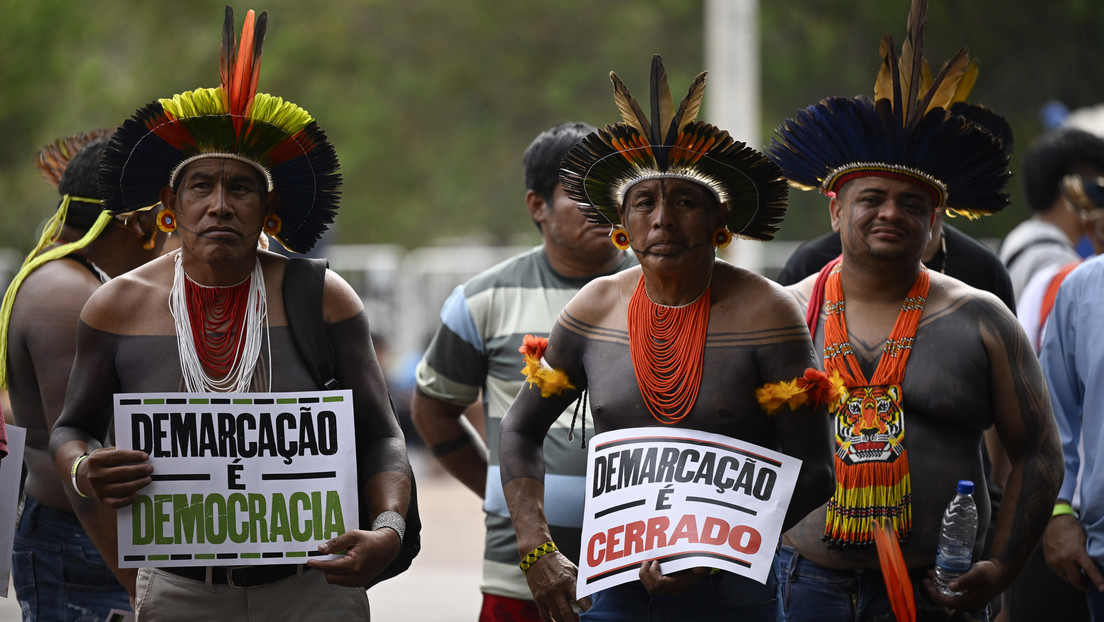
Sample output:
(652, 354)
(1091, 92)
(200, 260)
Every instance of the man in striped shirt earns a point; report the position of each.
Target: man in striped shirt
(476, 348)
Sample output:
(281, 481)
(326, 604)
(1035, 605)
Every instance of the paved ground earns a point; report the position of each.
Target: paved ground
(442, 585)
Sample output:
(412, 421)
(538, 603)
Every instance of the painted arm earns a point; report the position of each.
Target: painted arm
(383, 468)
(551, 578)
(1025, 423)
(110, 478)
(454, 441)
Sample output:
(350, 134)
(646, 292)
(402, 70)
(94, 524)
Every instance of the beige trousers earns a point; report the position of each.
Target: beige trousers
(165, 597)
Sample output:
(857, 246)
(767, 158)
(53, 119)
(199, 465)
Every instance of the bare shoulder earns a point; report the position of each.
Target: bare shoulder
(950, 295)
(752, 300)
(40, 290)
(604, 297)
(802, 291)
(339, 300)
(134, 302)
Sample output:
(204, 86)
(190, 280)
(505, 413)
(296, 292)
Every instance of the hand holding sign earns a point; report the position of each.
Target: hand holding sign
(552, 581)
(114, 476)
(366, 554)
(675, 584)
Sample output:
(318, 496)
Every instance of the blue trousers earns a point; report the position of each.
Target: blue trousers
(57, 572)
(813, 593)
(719, 597)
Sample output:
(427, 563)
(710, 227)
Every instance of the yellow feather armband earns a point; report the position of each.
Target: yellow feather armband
(815, 388)
(540, 373)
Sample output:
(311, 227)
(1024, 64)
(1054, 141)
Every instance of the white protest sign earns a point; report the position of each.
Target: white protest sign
(10, 468)
(238, 478)
(686, 498)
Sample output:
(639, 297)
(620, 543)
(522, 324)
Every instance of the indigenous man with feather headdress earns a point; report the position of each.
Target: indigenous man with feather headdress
(683, 342)
(225, 164)
(929, 362)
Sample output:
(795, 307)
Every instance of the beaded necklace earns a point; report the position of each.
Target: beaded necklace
(667, 346)
(872, 474)
(219, 330)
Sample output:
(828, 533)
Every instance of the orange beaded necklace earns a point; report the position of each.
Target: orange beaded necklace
(872, 472)
(667, 346)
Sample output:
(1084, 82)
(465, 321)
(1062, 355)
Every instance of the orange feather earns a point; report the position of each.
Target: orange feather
(239, 85)
(895, 573)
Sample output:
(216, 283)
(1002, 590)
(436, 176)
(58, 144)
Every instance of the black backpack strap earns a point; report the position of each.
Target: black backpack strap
(304, 279)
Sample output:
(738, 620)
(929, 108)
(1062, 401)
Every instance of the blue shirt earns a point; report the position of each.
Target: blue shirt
(1072, 357)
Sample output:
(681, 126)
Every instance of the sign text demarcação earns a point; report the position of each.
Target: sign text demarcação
(686, 498)
(238, 478)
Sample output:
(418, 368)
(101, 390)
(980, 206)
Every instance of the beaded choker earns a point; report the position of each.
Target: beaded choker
(667, 346)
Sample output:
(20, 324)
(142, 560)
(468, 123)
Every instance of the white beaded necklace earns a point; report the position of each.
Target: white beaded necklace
(238, 379)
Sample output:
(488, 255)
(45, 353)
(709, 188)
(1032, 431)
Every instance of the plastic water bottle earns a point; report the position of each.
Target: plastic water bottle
(956, 538)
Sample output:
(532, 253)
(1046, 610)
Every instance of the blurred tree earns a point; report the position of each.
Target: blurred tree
(431, 103)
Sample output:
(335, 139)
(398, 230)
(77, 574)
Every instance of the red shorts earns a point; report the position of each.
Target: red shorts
(504, 609)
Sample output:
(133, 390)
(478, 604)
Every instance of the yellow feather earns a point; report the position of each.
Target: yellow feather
(948, 82)
(631, 112)
(966, 84)
(691, 104)
(883, 84)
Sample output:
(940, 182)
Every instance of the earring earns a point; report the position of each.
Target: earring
(272, 224)
(721, 237)
(166, 220)
(620, 238)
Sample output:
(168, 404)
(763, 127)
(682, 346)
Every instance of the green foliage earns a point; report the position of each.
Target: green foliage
(431, 103)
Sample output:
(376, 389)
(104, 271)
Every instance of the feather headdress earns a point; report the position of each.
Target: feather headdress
(277, 137)
(917, 128)
(598, 172)
(54, 157)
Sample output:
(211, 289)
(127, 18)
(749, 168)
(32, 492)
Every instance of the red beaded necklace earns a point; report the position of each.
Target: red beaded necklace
(217, 318)
(667, 346)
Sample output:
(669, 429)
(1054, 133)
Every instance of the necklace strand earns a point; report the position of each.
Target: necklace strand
(219, 331)
(667, 347)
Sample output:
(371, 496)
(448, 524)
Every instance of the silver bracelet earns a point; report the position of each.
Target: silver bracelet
(392, 520)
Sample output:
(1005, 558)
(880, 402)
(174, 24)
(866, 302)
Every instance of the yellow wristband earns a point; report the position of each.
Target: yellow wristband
(76, 463)
(1061, 509)
(535, 554)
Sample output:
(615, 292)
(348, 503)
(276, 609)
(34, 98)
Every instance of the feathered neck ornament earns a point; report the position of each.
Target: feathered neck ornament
(917, 128)
(598, 172)
(278, 138)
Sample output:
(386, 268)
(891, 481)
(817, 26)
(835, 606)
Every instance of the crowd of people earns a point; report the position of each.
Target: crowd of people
(891, 358)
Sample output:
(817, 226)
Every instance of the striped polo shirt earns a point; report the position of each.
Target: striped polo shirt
(475, 347)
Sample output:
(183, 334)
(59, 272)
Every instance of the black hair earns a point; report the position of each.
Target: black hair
(1051, 157)
(543, 156)
(80, 179)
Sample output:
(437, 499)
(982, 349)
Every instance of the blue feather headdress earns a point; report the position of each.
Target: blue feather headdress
(598, 172)
(916, 128)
